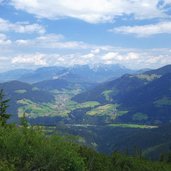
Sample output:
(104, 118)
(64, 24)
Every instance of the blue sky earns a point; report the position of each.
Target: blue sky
(38, 33)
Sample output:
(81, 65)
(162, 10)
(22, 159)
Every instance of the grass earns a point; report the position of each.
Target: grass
(122, 112)
(35, 89)
(34, 110)
(61, 107)
(133, 126)
(88, 104)
(121, 125)
(20, 91)
(108, 109)
(148, 77)
(165, 101)
(106, 94)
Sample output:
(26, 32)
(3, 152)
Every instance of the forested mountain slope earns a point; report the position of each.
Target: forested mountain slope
(146, 97)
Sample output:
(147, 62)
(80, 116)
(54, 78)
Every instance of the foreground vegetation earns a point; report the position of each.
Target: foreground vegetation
(27, 149)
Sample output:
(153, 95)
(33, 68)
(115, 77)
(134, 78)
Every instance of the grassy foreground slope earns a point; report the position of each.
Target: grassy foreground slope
(27, 149)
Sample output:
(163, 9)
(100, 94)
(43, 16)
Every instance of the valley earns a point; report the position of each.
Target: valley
(85, 85)
(110, 116)
(63, 106)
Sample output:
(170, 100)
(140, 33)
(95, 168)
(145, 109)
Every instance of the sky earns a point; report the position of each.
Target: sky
(41, 33)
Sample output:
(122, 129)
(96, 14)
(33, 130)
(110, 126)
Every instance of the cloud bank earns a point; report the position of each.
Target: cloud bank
(31, 44)
(96, 11)
(20, 27)
(145, 30)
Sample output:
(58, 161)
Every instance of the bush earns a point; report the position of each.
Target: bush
(28, 149)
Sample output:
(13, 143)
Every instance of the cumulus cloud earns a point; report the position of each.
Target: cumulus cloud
(51, 41)
(22, 42)
(96, 11)
(115, 57)
(95, 51)
(135, 59)
(167, 2)
(46, 40)
(31, 59)
(138, 59)
(4, 40)
(20, 27)
(56, 50)
(145, 30)
(3, 59)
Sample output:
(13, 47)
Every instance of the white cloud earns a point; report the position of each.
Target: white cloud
(132, 56)
(56, 50)
(50, 37)
(4, 40)
(52, 41)
(3, 59)
(135, 59)
(31, 59)
(88, 56)
(145, 30)
(167, 1)
(95, 51)
(110, 56)
(22, 42)
(139, 59)
(117, 57)
(95, 11)
(7, 26)
(154, 60)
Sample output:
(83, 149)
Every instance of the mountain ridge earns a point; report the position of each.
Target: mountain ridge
(146, 97)
(77, 73)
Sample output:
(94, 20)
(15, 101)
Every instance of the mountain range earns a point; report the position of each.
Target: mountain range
(35, 87)
(77, 73)
(145, 97)
(120, 110)
(80, 94)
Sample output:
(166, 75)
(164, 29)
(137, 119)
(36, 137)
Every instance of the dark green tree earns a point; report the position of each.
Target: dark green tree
(3, 109)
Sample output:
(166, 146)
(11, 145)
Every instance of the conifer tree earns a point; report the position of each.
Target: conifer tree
(3, 109)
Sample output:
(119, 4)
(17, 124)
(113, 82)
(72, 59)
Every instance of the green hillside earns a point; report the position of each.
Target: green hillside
(17, 91)
(27, 149)
(143, 98)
